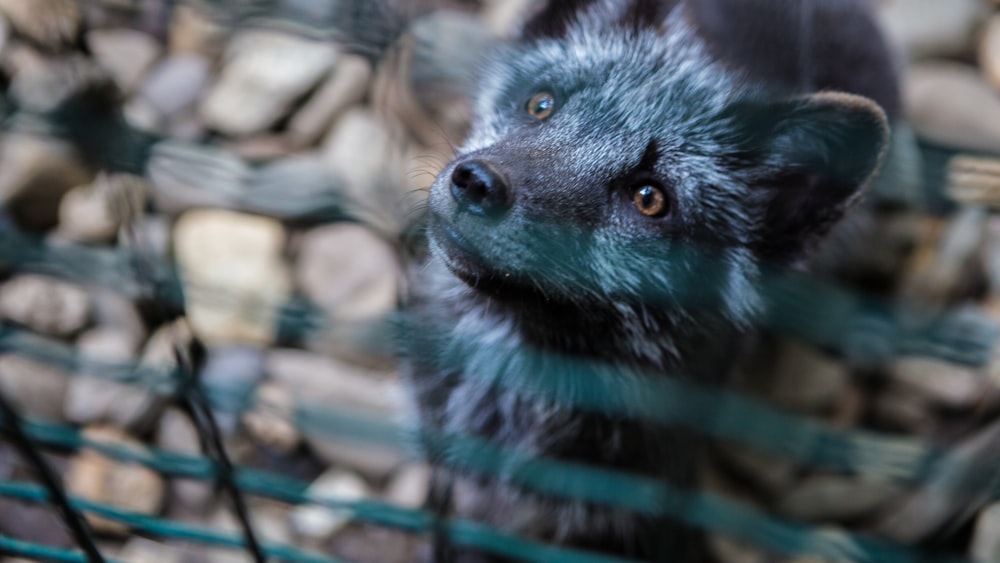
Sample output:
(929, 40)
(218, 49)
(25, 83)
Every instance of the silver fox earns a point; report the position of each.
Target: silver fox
(632, 168)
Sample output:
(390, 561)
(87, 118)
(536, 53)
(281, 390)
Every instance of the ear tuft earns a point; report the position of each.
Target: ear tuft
(812, 158)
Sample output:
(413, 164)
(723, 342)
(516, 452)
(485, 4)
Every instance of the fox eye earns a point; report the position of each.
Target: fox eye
(651, 201)
(541, 105)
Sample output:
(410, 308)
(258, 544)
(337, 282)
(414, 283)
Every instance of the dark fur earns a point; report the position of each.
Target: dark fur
(712, 100)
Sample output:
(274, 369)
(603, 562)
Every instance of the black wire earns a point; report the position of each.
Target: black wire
(77, 525)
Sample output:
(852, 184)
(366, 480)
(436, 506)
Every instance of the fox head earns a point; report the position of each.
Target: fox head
(613, 159)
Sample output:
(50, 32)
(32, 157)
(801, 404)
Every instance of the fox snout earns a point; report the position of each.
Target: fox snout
(480, 189)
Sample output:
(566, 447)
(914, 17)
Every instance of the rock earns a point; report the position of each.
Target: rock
(159, 356)
(345, 87)
(986, 538)
(193, 31)
(142, 550)
(127, 486)
(54, 25)
(903, 409)
(264, 74)
(230, 378)
(362, 152)
(35, 523)
(174, 84)
(38, 389)
(942, 383)
(91, 397)
(270, 520)
(946, 267)
(974, 180)
(115, 313)
(188, 175)
(271, 419)
(989, 51)
(316, 523)
(800, 378)
(322, 384)
(95, 213)
(826, 498)
(926, 28)
(502, 15)
(35, 173)
(125, 53)
(352, 274)
(409, 486)
(45, 305)
(730, 550)
(177, 434)
(234, 277)
(769, 474)
(951, 104)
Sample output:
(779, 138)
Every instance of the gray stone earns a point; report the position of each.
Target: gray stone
(96, 212)
(941, 382)
(35, 173)
(230, 379)
(801, 378)
(177, 434)
(986, 538)
(264, 74)
(175, 83)
(409, 486)
(826, 498)
(271, 419)
(37, 389)
(345, 87)
(45, 305)
(52, 24)
(952, 104)
(929, 28)
(126, 53)
(315, 522)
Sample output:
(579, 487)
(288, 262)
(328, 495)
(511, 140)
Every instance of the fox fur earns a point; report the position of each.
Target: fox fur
(758, 123)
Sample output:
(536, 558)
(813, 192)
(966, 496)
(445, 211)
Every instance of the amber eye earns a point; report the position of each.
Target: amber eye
(651, 201)
(541, 105)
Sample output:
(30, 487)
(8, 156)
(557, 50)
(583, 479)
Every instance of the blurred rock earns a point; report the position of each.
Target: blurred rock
(408, 487)
(46, 305)
(234, 277)
(942, 383)
(35, 173)
(126, 53)
(91, 397)
(264, 74)
(113, 312)
(928, 28)
(187, 176)
(230, 378)
(345, 87)
(316, 523)
(903, 409)
(142, 550)
(159, 356)
(800, 378)
(951, 104)
(174, 84)
(123, 485)
(501, 15)
(974, 180)
(38, 389)
(177, 434)
(329, 385)
(270, 521)
(95, 213)
(193, 31)
(946, 266)
(986, 538)
(271, 419)
(827, 498)
(989, 51)
(352, 274)
(54, 25)
(731, 550)
(34, 523)
(769, 474)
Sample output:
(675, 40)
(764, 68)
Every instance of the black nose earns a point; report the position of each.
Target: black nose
(478, 188)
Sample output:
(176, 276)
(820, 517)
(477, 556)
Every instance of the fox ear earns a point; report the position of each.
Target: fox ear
(811, 158)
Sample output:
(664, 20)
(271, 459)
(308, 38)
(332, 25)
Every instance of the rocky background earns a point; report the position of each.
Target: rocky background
(294, 162)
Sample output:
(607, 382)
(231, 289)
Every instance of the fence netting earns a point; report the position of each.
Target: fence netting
(206, 211)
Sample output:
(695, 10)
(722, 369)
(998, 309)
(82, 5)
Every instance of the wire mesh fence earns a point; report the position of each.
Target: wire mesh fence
(248, 176)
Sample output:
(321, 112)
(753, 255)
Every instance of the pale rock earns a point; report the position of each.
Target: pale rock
(45, 305)
(904, 409)
(271, 420)
(35, 173)
(986, 537)
(234, 277)
(826, 498)
(142, 550)
(345, 87)
(770, 474)
(731, 550)
(230, 378)
(324, 384)
(930, 28)
(96, 212)
(264, 74)
(349, 272)
(92, 397)
(946, 265)
(952, 104)
(113, 312)
(177, 434)
(125, 53)
(188, 175)
(54, 25)
(989, 51)
(159, 356)
(409, 486)
(127, 486)
(502, 15)
(941, 382)
(193, 31)
(270, 520)
(175, 83)
(316, 522)
(37, 389)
